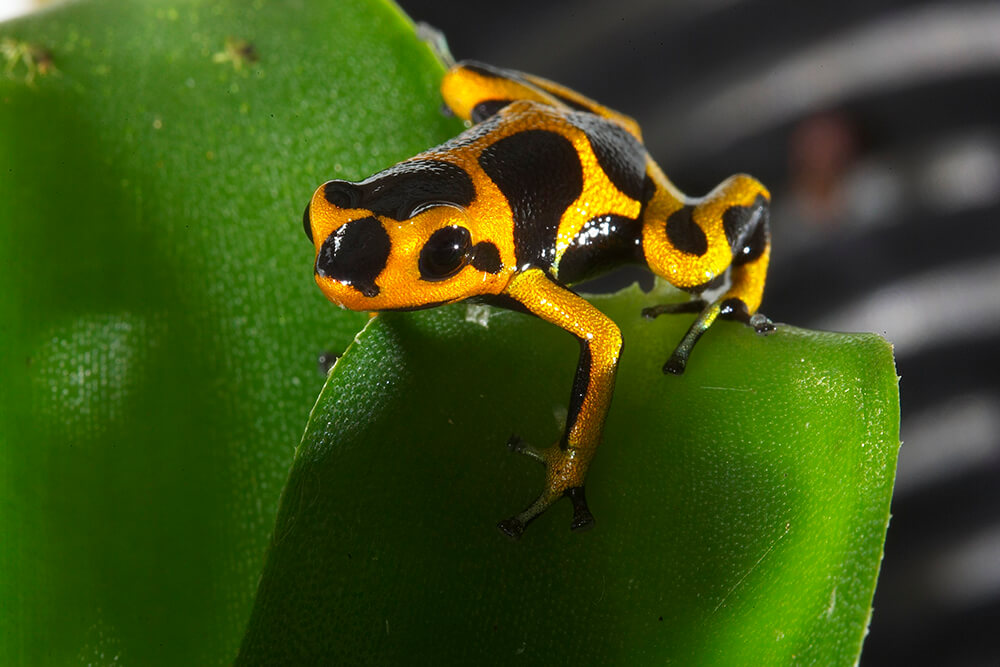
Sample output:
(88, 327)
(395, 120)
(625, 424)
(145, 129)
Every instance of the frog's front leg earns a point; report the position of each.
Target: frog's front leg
(567, 461)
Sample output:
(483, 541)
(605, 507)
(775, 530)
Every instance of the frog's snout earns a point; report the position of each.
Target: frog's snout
(355, 254)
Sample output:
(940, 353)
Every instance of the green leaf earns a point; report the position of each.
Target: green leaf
(741, 508)
(159, 327)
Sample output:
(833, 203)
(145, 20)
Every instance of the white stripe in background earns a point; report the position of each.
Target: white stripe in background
(930, 43)
(946, 305)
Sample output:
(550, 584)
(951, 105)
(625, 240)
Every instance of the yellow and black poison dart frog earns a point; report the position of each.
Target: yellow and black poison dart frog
(547, 188)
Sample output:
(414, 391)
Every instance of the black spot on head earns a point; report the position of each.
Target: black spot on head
(539, 173)
(685, 234)
(401, 189)
(445, 253)
(487, 108)
(620, 155)
(355, 254)
(342, 194)
(604, 243)
(307, 224)
(486, 257)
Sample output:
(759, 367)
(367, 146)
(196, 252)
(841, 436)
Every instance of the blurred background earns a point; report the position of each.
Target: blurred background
(876, 125)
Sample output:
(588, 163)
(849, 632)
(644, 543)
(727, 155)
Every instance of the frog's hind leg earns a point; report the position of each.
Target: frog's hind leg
(736, 213)
(567, 461)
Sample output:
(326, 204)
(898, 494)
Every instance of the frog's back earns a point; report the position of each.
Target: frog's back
(569, 186)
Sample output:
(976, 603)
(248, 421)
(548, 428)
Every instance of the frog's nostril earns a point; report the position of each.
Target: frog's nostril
(355, 254)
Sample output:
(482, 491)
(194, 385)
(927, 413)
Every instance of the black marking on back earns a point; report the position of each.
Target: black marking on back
(468, 137)
(620, 155)
(487, 108)
(539, 173)
(401, 189)
(738, 221)
(685, 234)
(307, 224)
(355, 254)
(605, 242)
(747, 230)
(482, 69)
(486, 257)
(571, 103)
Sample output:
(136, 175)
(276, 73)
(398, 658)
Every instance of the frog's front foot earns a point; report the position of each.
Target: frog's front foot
(761, 323)
(730, 309)
(563, 468)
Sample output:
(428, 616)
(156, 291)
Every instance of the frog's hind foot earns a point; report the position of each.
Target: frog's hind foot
(582, 518)
(555, 460)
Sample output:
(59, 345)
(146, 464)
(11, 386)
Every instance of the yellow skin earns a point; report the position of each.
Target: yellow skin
(547, 188)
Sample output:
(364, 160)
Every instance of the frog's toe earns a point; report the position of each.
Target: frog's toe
(582, 518)
(761, 323)
(512, 528)
(517, 445)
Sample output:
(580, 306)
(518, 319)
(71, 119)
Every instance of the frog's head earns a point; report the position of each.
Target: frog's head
(382, 250)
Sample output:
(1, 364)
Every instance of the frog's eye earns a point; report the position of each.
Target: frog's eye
(307, 224)
(445, 253)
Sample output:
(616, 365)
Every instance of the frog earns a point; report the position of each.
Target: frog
(545, 189)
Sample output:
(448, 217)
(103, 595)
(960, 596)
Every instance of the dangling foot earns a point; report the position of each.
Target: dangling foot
(562, 468)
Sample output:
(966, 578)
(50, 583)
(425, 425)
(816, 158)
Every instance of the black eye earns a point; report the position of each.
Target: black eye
(445, 253)
(307, 224)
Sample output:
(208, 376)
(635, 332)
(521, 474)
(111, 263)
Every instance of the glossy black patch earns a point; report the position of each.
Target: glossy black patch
(487, 108)
(307, 224)
(754, 247)
(580, 382)
(469, 137)
(355, 254)
(539, 173)
(342, 194)
(401, 189)
(620, 155)
(444, 254)
(739, 222)
(486, 257)
(735, 309)
(685, 234)
(605, 242)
